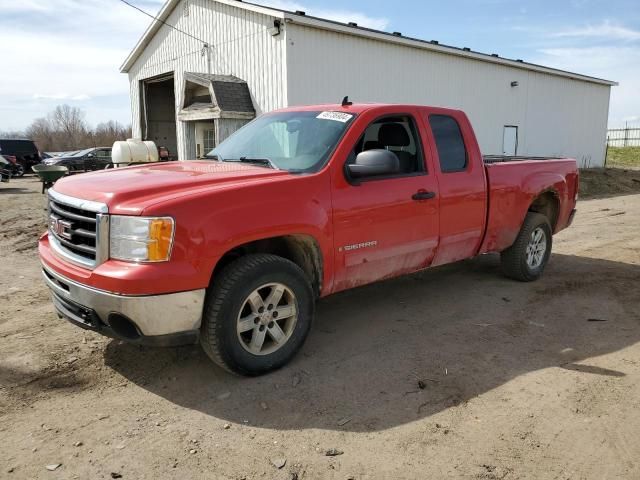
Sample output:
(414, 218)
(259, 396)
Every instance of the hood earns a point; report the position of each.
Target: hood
(130, 190)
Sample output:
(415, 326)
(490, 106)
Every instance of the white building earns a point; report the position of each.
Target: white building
(205, 67)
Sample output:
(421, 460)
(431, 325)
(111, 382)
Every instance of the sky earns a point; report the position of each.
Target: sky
(70, 51)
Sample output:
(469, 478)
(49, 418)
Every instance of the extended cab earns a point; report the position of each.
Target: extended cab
(299, 204)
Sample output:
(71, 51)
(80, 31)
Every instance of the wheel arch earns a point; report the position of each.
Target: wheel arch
(301, 249)
(547, 203)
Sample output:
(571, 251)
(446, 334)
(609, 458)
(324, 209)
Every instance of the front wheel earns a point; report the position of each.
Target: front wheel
(19, 170)
(526, 259)
(257, 314)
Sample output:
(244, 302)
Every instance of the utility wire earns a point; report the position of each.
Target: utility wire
(211, 45)
(163, 22)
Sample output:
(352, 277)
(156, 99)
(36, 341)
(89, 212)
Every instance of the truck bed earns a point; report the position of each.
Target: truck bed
(489, 159)
(512, 185)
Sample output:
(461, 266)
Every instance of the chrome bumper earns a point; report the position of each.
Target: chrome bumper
(177, 314)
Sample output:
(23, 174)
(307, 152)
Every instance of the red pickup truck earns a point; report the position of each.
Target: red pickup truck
(301, 203)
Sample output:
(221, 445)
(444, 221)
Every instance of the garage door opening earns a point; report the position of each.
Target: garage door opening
(159, 112)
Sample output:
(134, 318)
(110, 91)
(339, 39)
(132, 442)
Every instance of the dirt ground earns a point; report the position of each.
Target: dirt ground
(598, 183)
(455, 372)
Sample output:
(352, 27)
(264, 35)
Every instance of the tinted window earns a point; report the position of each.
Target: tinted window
(451, 149)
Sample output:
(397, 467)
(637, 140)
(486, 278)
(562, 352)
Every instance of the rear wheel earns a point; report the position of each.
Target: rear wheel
(526, 259)
(257, 314)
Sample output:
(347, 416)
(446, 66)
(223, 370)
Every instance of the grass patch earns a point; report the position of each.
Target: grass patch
(623, 157)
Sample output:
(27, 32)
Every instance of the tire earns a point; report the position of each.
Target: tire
(231, 305)
(19, 170)
(519, 263)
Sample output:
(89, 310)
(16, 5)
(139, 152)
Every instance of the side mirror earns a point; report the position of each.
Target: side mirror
(90, 155)
(373, 163)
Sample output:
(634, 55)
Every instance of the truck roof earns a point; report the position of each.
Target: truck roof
(356, 107)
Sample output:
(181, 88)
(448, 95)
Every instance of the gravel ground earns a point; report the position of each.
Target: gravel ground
(455, 372)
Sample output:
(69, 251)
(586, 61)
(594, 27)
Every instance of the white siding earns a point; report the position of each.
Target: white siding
(555, 115)
(225, 127)
(241, 47)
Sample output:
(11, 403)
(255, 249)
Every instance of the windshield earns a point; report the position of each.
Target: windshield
(293, 141)
(81, 153)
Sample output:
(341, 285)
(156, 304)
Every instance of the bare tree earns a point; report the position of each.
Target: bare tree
(65, 129)
(11, 134)
(71, 123)
(42, 132)
(107, 133)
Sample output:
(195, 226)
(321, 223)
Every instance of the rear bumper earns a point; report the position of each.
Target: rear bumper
(161, 320)
(571, 217)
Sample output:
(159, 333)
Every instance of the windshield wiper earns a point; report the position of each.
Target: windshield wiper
(258, 161)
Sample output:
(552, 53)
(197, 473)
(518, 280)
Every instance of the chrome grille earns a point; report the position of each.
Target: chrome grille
(78, 229)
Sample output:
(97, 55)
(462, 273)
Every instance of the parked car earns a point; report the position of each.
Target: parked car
(83, 160)
(300, 204)
(25, 152)
(5, 169)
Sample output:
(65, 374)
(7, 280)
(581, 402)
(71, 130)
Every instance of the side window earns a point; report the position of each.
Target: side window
(209, 140)
(450, 144)
(398, 135)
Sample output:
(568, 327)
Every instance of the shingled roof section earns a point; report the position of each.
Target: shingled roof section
(231, 93)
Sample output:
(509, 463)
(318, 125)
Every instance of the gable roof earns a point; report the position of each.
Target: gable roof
(230, 94)
(353, 29)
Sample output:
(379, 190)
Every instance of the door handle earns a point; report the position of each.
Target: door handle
(423, 195)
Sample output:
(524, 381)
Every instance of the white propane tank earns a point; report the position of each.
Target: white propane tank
(125, 153)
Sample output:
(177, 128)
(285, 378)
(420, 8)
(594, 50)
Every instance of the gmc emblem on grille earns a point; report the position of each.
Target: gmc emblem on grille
(60, 227)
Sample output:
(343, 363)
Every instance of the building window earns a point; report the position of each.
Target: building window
(449, 142)
(209, 140)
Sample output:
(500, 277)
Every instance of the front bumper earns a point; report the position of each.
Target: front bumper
(162, 320)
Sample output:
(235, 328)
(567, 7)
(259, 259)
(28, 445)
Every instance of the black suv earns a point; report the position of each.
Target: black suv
(25, 151)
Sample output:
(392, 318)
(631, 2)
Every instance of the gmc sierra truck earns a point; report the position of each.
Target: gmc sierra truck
(301, 203)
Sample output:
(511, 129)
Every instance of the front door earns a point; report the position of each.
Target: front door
(388, 226)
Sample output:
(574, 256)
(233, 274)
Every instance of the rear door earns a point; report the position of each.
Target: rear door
(462, 184)
(386, 226)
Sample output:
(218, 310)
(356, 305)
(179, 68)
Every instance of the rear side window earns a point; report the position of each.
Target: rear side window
(451, 149)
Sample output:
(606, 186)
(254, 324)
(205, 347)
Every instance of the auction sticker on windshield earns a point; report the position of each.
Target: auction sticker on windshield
(335, 116)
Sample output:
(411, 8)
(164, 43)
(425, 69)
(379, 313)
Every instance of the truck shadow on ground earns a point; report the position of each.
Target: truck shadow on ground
(14, 191)
(405, 349)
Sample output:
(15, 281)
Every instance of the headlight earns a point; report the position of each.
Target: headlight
(141, 239)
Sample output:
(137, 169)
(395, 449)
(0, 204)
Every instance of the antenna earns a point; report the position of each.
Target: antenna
(346, 102)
